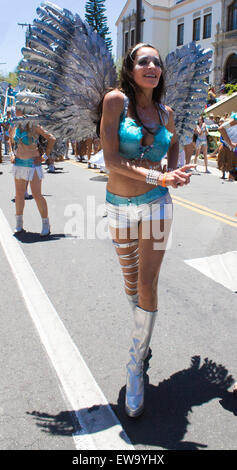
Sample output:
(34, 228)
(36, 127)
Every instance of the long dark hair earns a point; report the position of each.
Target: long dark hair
(129, 87)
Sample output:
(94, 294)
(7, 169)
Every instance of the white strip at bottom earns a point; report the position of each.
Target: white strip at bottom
(99, 427)
(221, 268)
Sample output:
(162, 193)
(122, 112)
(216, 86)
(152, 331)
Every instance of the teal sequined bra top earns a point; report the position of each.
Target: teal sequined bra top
(131, 135)
(24, 138)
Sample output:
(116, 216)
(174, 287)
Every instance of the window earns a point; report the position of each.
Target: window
(125, 42)
(232, 16)
(180, 34)
(207, 26)
(132, 37)
(196, 29)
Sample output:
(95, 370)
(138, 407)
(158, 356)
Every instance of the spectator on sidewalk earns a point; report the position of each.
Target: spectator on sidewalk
(211, 96)
(6, 134)
(201, 142)
(1, 139)
(89, 143)
(227, 157)
(189, 149)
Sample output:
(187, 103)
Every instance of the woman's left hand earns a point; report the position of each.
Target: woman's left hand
(181, 175)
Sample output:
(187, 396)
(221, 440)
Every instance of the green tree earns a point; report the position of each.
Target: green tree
(10, 78)
(231, 88)
(95, 16)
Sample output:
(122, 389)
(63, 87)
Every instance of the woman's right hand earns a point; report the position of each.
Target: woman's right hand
(12, 158)
(178, 177)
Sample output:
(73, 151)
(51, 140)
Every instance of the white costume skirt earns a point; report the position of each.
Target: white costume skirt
(25, 169)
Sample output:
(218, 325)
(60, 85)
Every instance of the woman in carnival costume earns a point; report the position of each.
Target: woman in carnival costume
(72, 69)
(227, 157)
(139, 206)
(201, 142)
(26, 161)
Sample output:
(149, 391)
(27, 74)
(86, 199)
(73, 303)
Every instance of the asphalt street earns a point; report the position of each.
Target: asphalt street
(192, 363)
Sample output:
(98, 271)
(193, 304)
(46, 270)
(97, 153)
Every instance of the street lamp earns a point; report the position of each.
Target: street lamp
(29, 26)
(138, 21)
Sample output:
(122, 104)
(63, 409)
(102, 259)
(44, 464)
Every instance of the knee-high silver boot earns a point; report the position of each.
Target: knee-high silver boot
(133, 301)
(144, 324)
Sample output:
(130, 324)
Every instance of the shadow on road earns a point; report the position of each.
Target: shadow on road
(99, 178)
(34, 237)
(165, 420)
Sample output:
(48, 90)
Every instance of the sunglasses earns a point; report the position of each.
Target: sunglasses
(145, 61)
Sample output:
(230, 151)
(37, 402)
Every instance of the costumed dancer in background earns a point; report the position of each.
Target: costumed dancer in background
(1, 139)
(227, 156)
(27, 167)
(134, 142)
(201, 142)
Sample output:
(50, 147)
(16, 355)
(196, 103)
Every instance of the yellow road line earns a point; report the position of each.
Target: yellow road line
(207, 213)
(206, 209)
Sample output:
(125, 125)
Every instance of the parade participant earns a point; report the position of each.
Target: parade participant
(1, 139)
(27, 167)
(1, 136)
(134, 142)
(201, 142)
(189, 149)
(227, 157)
(146, 134)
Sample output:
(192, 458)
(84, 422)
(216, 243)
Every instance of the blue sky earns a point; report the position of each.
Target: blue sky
(12, 36)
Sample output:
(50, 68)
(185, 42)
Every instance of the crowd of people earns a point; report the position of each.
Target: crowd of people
(209, 141)
(137, 138)
(83, 149)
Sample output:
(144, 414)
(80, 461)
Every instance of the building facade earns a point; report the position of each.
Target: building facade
(225, 44)
(169, 24)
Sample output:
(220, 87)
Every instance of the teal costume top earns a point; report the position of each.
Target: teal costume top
(130, 138)
(130, 147)
(22, 136)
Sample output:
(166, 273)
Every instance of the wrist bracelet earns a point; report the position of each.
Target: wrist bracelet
(163, 180)
(152, 177)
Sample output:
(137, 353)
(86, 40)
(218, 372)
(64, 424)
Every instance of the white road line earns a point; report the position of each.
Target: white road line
(221, 268)
(100, 428)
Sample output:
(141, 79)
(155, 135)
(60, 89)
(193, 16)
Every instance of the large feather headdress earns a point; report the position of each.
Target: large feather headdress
(68, 68)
